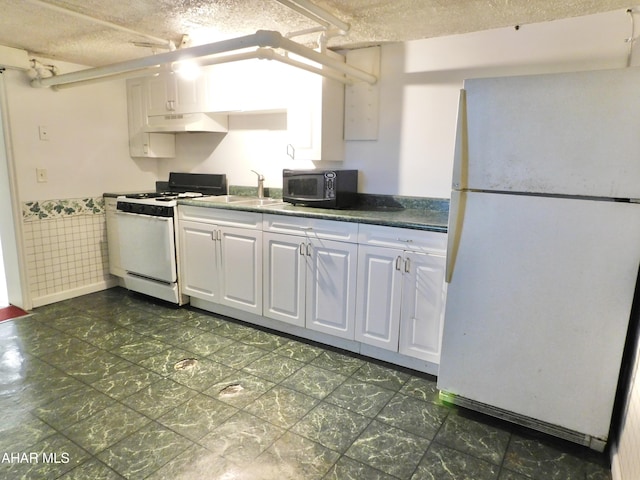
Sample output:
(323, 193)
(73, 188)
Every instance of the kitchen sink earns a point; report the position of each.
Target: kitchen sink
(258, 202)
(241, 200)
(225, 199)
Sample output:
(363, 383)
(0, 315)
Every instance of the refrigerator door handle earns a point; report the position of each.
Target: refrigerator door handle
(459, 178)
(456, 218)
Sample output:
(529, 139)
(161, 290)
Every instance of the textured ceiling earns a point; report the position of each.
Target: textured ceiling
(41, 31)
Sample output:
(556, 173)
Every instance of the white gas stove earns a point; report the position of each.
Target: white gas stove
(147, 233)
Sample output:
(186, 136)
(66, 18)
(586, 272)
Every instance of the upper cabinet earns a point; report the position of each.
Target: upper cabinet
(167, 102)
(249, 86)
(141, 142)
(170, 93)
(315, 117)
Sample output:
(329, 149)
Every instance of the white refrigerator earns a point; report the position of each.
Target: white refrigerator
(544, 249)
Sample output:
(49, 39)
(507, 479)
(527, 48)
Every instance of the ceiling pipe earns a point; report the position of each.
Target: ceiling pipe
(325, 60)
(262, 38)
(312, 11)
(306, 31)
(160, 41)
(142, 72)
(266, 53)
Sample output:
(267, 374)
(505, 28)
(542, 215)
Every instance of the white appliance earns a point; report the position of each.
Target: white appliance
(544, 249)
(146, 225)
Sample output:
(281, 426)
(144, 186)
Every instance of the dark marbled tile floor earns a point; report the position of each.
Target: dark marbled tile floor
(89, 390)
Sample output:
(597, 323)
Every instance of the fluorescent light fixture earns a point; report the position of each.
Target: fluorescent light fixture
(188, 69)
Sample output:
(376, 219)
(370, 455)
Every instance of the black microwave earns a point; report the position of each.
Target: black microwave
(320, 188)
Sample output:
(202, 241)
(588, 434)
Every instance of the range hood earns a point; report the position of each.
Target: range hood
(187, 122)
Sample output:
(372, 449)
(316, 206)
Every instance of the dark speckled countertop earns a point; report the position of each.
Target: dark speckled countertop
(405, 212)
(419, 213)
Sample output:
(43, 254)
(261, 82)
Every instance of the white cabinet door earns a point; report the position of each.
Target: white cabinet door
(285, 267)
(331, 287)
(378, 299)
(141, 143)
(158, 95)
(401, 290)
(199, 261)
(233, 86)
(315, 117)
(170, 93)
(241, 269)
(423, 297)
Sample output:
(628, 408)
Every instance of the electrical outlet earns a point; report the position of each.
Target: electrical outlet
(44, 133)
(41, 175)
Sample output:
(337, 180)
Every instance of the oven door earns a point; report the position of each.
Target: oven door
(147, 246)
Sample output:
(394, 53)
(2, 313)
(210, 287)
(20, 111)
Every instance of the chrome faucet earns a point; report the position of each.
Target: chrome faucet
(260, 184)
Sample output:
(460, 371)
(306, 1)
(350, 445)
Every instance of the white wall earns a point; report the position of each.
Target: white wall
(87, 152)
(419, 87)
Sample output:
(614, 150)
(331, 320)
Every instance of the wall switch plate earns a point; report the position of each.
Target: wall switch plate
(41, 175)
(43, 132)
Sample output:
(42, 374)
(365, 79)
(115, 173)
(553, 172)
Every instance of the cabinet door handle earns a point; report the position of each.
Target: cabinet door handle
(219, 235)
(407, 265)
(308, 249)
(398, 260)
(301, 249)
(405, 240)
(291, 151)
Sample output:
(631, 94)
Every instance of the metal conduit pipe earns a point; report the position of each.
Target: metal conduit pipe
(160, 41)
(325, 60)
(315, 13)
(262, 38)
(306, 31)
(267, 53)
(309, 68)
(149, 71)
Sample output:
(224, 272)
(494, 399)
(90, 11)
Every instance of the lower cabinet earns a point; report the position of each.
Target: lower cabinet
(401, 292)
(221, 264)
(309, 280)
(380, 286)
(331, 287)
(285, 278)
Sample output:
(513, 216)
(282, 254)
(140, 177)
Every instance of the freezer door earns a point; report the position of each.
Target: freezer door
(572, 133)
(538, 305)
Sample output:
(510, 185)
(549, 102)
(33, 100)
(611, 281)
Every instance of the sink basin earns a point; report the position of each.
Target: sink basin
(224, 199)
(258, 202)
(241, 200)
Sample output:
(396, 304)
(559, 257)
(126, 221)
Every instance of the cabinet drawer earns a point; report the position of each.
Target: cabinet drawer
(220, 216)
(404, 238)
(311, 227)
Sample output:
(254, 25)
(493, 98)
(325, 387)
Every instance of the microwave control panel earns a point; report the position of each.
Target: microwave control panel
(330, 184)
